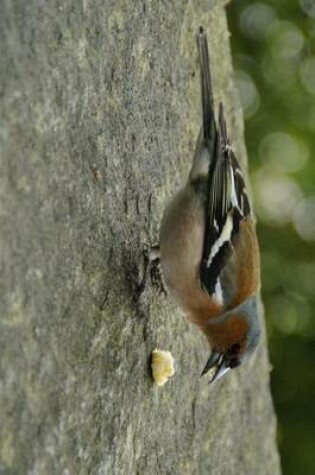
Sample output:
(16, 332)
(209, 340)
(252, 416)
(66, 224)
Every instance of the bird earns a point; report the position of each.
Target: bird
(208, 246)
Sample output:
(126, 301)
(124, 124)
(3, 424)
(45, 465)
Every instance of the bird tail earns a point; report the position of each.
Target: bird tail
(206, 86)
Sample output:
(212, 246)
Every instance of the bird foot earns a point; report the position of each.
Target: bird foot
(152, 266)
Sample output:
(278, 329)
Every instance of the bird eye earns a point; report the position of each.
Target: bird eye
(235, 349)
(234, 363)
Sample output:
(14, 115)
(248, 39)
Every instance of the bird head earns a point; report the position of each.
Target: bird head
(233, 337)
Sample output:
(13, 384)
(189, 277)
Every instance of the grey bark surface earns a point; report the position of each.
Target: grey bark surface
(100, 110)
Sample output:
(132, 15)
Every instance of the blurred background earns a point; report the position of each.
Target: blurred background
(273, 46)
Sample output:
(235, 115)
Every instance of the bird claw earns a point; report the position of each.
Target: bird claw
(153, 266)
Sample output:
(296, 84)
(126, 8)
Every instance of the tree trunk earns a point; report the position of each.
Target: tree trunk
(100, 113)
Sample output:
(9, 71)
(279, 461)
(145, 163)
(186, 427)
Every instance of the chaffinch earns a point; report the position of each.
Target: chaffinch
(209, 252)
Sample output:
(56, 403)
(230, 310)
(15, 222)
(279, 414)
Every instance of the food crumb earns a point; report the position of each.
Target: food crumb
(163, 366)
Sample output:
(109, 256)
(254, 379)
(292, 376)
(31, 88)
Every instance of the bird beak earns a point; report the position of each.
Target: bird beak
(221, 370)
(222, 365)
(213, 360)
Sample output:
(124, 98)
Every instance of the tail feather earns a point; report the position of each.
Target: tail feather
(206, 86)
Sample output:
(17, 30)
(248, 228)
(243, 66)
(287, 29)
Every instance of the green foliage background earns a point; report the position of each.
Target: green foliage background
(273, 44)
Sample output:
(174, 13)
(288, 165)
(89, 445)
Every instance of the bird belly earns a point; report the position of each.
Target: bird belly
(181, 242)
(181, 246)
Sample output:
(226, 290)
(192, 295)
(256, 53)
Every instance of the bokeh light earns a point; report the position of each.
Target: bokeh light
(309, 7)
(304, 219)
(290, 313)
(285, 40)
(307, 74)
(276, 196)
(283, 152)
(248, 93)
(255, 20)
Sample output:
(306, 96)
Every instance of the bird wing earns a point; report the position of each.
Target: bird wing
(227, 207)
(240, 277)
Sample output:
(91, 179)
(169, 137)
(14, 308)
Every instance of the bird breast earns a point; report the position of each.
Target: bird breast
(181, 246)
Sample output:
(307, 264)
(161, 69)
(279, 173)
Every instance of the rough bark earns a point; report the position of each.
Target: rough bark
(100, 112)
